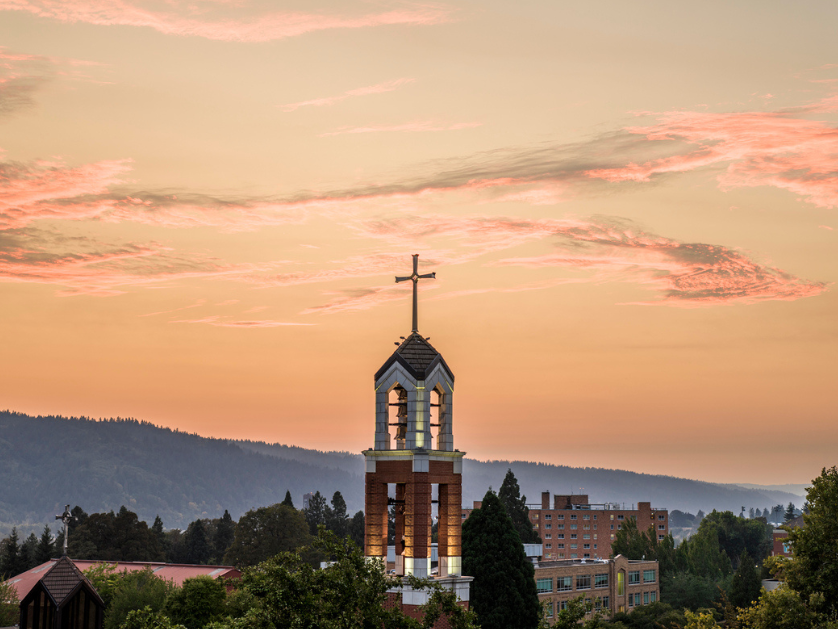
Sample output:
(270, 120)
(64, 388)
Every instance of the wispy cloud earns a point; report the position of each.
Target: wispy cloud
(217, 21)
(227, 322)
(197, 304)
(408, 127)
(378, 88)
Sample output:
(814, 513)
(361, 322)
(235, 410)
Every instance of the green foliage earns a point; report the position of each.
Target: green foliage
(46, 548)
(653, 616)
(687, 590)
(315, 513)
(699, 620)
(199, 602)
(575, 611)
(814, 571)
(356, 528)
(782, 608)
(264, 532)
(503, 592)
(135, 591)
(120, 536)
(105, 579)
(789, 514)
(11, 559)
(196, 541)
(336, 517)
(516, 507)
(735, 535)
(9, 609)
(288, 501)
(147, 618)
(746, 584)
(225, 533)
(285, 591)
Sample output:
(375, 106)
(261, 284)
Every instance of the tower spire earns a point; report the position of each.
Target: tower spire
(415, 277)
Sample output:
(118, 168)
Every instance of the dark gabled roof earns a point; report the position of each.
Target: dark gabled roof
(416, 355)
(63, 579)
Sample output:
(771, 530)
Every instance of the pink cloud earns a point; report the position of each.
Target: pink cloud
(761, 149)
(827, 227)
(354, 300)
(379, 88)
(408, 127)
(215, 21)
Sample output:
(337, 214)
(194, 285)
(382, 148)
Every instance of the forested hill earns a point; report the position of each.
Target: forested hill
(47, 462)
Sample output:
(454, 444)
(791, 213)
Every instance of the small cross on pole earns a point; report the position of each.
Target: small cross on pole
(415, 277)
(66, 518)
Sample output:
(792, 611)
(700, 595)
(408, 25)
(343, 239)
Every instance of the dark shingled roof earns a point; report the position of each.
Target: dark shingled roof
(417, 355)
(63, 579)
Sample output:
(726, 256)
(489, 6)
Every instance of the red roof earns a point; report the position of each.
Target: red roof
(175, 572)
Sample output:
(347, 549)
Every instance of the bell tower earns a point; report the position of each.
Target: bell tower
(413, 453)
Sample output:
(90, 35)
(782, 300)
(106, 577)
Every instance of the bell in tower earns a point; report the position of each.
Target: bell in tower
(413, 452)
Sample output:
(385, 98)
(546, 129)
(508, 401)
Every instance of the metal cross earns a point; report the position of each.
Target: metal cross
(416, 277)
(66, 518)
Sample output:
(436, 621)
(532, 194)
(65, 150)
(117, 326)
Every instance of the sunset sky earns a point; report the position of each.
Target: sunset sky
(631, 208)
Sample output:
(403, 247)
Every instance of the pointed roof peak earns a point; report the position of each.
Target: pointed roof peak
(63, 579)
(417, 354)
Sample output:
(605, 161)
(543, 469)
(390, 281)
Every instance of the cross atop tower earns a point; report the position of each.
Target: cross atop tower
(416, 277)
(66, 518)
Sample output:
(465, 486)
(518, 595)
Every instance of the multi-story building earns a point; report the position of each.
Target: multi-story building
(574, 528)
(611, 585)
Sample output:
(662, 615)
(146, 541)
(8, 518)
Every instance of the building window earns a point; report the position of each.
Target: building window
(573, 527)
(661, 517)
(548, 517)
(560, 527)
(601, 580)
(573, 536)
(634, 577)
(549, 546)
(587, 527)
(564, 584)
(534, 516)
(631, 600)
(548, 526)
(594, 546)
(560, 517)
(637, 599)
(587, 516)
(547, 536)
(586, 546)
(561, 605)
(612, 527)
(586, 536)
(621, 517)
(645, 598)
(594, 535)
(612, 535)
(548, 609)
(560, 555)
(573, 516)
(612, 516)
(573, 546)
(586, 555)
(621, 583)
(660, 537)
(583, 582)
(594, 516)
(559, 545)
(661, 527)
(559, 535)
(573, 555)
(653, 596)
(619, 526)
(648, 576)
(605, 602)
(544, 585)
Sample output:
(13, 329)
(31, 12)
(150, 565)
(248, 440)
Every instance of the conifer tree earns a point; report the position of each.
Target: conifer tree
(46, 548)
(503, 593)
(316, 512)
(746, 584)
(225, 531)
(337, 519)
(789, 515)
(28, 552)
(516, 508)
(751, 513)
(10, 560)
(198, 548)
(288, 501)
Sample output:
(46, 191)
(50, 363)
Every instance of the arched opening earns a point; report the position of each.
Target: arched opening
(438, 417)
(397, 417)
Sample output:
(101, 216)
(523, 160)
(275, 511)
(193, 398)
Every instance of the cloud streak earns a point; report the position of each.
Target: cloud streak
(226, 322)
(379, 88)
(217, 22)
(407, 127)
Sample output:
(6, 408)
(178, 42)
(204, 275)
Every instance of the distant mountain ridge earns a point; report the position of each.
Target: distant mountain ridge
(47, 462)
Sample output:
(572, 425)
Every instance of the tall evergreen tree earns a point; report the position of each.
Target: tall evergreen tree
(751, 513)
(357, 529)
(746, 584)
(46, 548)
(315, 512)
(225, 531)
(288, 502)
(10, 559)
(29, 552)
(337, 519)
(503, 594)
(516, 508)
(198, 547)
(789, 514)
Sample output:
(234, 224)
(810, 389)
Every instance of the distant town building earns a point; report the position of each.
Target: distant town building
(611, 585)
(575, 528)
(780, 546)
(307, 499)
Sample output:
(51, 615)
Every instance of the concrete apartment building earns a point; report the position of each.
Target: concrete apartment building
(576, 529)
(612, 585)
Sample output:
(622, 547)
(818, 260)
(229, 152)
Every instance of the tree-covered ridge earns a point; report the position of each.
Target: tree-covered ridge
(47, 462)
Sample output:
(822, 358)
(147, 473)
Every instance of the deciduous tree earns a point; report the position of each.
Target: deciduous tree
(264, 532)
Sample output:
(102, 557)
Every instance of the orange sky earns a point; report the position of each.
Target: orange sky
(631, 211)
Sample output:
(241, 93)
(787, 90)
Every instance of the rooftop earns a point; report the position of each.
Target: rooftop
(417, 355)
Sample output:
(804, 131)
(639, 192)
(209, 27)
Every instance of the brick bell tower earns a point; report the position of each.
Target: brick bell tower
(414, 451)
